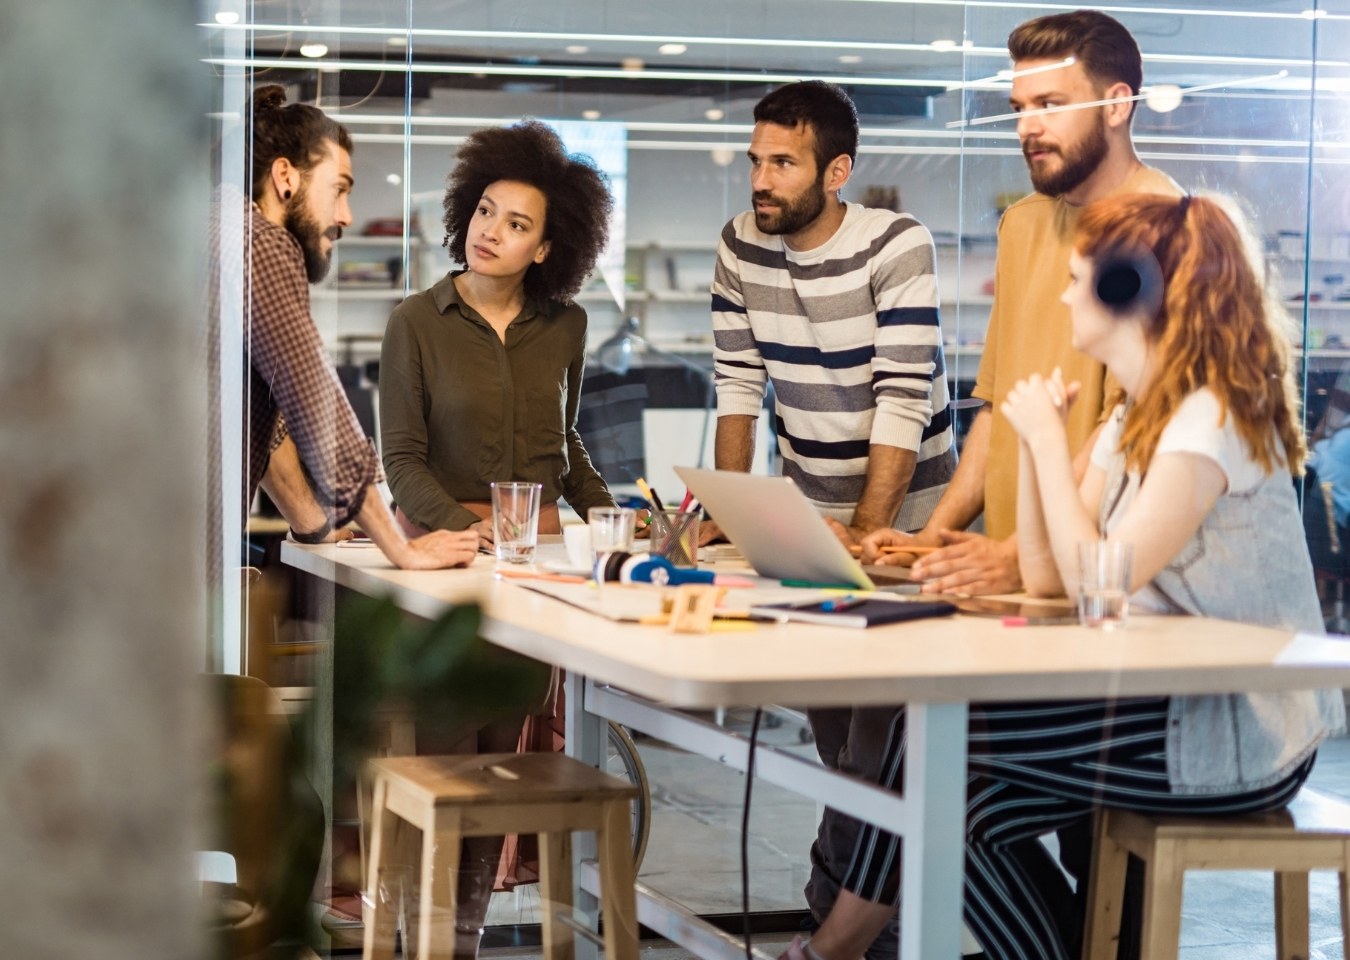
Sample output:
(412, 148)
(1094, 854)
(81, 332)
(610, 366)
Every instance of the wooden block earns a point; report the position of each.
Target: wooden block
(692, 610)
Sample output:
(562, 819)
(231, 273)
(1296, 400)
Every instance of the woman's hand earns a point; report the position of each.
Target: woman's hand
(438, 549)
(1038, 407)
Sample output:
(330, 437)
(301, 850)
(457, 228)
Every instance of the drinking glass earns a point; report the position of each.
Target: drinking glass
(612, 529)
(1104, 583)
(515, 520)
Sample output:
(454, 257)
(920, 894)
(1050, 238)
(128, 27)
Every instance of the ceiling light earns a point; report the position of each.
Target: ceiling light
(723, 156)
(672, 49)
(393, 179)
(397, 41)
(1313, 14)
(943, 45)
(1163, 97)
(632, 63)
(849, 58)
(314, 50)
(577, 49)
(714, 114)
(227, 17)
(590, 114)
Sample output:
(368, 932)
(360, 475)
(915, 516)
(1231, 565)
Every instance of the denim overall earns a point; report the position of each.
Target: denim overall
(1248, 562)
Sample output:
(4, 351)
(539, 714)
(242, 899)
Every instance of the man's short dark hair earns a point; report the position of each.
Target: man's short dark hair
(297, 131)
(576, 195)
(824, 107)
(1100, 43)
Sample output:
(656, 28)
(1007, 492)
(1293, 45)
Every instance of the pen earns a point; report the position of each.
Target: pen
(649, 493)
(843, 603)
(1039, 621)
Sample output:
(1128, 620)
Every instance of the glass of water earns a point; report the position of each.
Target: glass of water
(515, 520)
(1104, 583)
(612, 529)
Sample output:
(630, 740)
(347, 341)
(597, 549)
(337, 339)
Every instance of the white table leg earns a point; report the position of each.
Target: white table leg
(586, 741)
(933, 851)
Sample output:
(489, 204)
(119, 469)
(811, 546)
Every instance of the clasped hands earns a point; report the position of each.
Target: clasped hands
(1038, 407)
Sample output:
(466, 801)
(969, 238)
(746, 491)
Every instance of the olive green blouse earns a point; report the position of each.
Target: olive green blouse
(460, 409)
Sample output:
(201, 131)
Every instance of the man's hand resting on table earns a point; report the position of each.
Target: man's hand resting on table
(710, 532)
(970, 563)
(850, 536)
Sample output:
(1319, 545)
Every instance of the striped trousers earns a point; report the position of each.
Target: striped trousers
(1033, 768)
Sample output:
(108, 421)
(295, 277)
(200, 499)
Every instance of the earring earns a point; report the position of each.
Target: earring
(286, 195)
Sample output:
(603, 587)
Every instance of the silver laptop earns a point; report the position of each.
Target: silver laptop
(781, 534)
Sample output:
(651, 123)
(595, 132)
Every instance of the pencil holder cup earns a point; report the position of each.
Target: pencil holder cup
(675, 537)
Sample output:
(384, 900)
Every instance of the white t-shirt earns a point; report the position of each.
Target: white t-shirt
(1194, 428)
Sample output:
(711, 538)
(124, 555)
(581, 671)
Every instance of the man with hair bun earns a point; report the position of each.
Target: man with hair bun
(302, 442)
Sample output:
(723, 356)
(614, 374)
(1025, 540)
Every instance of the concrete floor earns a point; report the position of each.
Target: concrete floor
(693, 856)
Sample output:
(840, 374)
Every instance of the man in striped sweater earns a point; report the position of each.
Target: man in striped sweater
(837, 305)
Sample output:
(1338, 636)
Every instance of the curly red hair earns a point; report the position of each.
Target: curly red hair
(1219, 326)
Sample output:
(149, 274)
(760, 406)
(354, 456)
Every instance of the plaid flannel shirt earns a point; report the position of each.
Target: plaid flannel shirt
(292, 386)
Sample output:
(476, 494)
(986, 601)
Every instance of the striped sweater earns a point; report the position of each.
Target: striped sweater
(849, 335)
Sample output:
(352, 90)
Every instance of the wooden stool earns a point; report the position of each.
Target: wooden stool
(488, 795)
(1312, 833)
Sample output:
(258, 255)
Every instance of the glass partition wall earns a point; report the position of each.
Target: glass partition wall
(1249, 99)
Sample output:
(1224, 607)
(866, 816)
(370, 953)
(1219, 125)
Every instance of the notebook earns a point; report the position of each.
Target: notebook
(782, 535)
(870, 612)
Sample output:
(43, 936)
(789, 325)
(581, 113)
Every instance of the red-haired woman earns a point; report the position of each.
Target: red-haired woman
(1193, 470)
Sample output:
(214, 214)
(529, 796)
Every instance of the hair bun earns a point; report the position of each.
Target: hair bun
(269, 97)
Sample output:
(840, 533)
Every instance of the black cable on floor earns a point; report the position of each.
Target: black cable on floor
(745, 829)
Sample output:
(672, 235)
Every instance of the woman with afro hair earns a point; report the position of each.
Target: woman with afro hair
(480, 376)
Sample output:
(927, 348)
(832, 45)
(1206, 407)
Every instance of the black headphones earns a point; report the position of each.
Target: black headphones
(1130, 279)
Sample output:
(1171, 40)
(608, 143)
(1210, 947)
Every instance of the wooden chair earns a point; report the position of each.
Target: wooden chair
(1312, 833)
(449, 798)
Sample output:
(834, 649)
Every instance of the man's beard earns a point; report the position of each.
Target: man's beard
(1078, 162)
(306, 229)
(794, 215)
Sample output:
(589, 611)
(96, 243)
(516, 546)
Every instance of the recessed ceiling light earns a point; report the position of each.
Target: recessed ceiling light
(849, 58)
(672, 49)
(632, 63)
(1313, 14)
(577, 48)
(943, 45)
(723, 156)
(714, 114)
(227, 17)
(397, 41)
(314, 50)
(393, 179)
(590, 114)
(1163, 97)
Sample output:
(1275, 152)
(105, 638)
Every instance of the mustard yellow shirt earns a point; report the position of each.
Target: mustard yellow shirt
(1030, 332)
